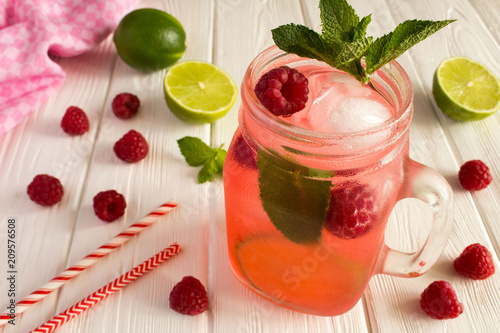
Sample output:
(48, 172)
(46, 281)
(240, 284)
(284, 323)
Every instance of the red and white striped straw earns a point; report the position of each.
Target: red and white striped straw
(87, 261)
(108, 290)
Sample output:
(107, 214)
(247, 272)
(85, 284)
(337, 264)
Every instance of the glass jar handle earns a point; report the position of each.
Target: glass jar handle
(430, 187)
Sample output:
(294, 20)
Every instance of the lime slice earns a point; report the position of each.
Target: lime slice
(312, 277)
(198, 92)
(465, 90)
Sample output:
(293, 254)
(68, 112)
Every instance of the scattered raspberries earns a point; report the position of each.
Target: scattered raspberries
(283, 91)
(474, 175)
(243, 154)
(351, 212)
(75, 121)
(189, 297)
(45, 190)
(439, 301)
(475, 262)
(132, 147)
(125, 105)
(109, 205)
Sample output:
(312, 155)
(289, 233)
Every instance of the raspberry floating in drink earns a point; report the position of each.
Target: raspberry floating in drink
(109, 205)
(440, 301)
(475, 262)
(132, 147)
(283, 91)
(474, 175)
(352, 210)
(125, 105)
(244, 154)
(45, 190)
(189, 297)
(75, 121)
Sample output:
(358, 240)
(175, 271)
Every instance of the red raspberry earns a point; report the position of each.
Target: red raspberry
(474, 175)
(439, 301)
(189, 297)
(45, 190)
(351, 212)
(283, 91)
(475, 262)
(75, 121)
(244, 154)
(125, 105)
(109, 205)
(132, 147)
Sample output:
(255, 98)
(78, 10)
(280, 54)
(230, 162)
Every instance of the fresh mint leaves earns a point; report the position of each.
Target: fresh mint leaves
(394, 44)
(295, 197)
(343, 43)
(198, 153)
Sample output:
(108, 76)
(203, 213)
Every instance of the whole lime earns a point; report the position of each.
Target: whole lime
(149, 39)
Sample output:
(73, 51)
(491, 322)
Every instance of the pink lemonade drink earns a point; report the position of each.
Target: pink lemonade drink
(308, 196)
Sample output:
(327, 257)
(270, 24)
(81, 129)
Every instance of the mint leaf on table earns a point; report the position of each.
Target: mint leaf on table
(208, 171)
(219, 160)
(196, 152)
(295, 202)
(343, 43)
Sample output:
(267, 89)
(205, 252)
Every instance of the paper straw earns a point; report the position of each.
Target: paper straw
(87, 261)
(108, 290)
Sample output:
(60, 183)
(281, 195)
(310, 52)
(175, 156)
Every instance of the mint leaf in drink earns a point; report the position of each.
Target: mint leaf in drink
(343, 43)
(389, 47)
(295, 201)
(196, 152)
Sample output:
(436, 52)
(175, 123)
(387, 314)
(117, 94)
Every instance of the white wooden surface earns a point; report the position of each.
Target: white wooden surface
(230, 33)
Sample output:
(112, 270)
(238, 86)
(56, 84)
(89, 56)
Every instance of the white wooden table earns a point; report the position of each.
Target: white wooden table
(230, 33)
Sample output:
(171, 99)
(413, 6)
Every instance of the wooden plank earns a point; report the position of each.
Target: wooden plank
(38, 145)
(161, 176)
(490, 11)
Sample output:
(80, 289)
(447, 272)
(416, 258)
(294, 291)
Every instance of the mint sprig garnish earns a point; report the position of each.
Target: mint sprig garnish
(343, 43)
(197, 153)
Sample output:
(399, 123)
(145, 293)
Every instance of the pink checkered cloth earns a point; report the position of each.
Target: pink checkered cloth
(31, 31)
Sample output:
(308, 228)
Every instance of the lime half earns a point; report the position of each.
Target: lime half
(198, 92)
(465, 90)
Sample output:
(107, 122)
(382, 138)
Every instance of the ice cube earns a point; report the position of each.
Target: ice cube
(355, 114)
(346, 108)
(339, 103)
